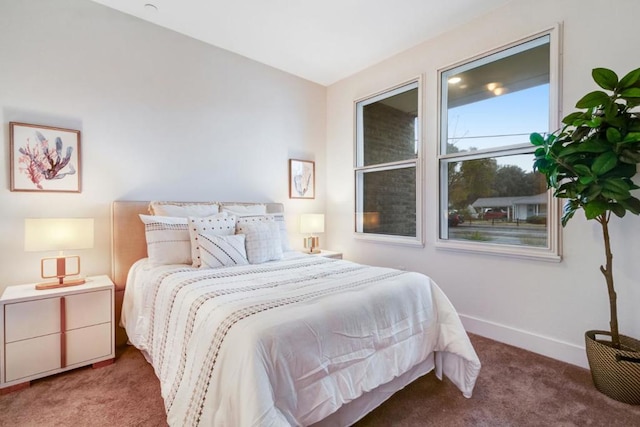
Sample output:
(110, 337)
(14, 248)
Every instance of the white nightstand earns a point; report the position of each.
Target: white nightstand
(50, 331)
(329, 254)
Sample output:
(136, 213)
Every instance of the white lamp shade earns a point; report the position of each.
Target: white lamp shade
(312, 223)
(57, 234)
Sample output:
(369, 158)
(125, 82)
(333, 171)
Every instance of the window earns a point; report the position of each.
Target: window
(490, 198)
(386, 170)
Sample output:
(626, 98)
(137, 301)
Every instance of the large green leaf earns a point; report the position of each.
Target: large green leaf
(592, 146)
(568, 210)
(592, 192)
(632, 92)
(632, 137)
(588, 179)
(610, 110)
(614, 135)
(582, 170)
(605, 78)
(595, 208)
(629, 157)
(631, 204)
(617, 209)
(629, 79)
(616, 184)
(592, 99)
(614, 195)
(580, 133)
(623, 170)
(604, 163)
(571, 118)
(631, 184)
(536, 139)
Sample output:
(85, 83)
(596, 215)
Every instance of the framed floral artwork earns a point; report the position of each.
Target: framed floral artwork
(302, 179)
(44, 158)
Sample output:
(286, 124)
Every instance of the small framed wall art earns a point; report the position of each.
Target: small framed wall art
(302, 179)
(44, 158)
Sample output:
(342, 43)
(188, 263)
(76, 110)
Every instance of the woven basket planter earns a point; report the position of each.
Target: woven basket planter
(615, 373)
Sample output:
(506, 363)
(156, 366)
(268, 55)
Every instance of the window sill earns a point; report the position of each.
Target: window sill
(391, 240)
(531, 253)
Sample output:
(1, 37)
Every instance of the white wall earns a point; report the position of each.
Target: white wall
(542, 306)
(162, 117)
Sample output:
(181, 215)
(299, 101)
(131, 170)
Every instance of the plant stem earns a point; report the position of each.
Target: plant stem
(608, 274)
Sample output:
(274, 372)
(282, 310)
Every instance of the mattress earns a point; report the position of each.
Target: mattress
(287, 342)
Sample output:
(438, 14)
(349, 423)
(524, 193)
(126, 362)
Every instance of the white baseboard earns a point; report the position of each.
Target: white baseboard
(545, 346)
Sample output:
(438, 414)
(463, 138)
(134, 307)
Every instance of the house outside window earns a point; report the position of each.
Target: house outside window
(386, 171)
(491, 200)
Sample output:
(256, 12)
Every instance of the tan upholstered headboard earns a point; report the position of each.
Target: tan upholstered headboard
(128, 244)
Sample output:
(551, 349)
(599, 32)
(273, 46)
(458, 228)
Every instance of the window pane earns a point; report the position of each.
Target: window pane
(495, 200)
(389, 202)
(498, 100)
(389, 129)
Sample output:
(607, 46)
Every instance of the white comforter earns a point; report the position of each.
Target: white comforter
(288, 342)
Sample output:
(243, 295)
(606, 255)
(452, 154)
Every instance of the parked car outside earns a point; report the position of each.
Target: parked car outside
(454, 219)
(495, 214)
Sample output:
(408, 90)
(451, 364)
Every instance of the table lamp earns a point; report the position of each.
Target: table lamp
(312, 223)
(58, 234)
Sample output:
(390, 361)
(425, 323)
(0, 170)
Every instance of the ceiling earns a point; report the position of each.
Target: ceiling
(323, 40)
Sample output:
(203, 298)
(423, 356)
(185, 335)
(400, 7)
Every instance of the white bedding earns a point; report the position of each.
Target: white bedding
(287, 342)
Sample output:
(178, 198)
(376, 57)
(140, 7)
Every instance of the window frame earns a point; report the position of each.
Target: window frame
(552, 251)
(416, 163)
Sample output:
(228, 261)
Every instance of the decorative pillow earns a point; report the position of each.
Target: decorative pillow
(184, 209)
(220, 224)
(284, 236)
(251, 219)
(278, 218)
(168, 239)
(222, 251)
(244, 210)
(262, 241)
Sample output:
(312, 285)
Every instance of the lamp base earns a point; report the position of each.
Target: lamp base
(311, 245)
(60, 284)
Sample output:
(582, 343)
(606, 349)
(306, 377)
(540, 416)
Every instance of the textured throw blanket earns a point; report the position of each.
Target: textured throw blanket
(288, 342)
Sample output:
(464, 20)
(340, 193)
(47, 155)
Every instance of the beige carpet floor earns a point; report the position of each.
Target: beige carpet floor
(515, 388)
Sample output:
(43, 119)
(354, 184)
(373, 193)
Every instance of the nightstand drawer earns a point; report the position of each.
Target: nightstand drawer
(31, 357)
(89, 308)
(31, 319)
(89, 343)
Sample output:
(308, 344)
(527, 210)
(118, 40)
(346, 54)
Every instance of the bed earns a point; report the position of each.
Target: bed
(303, 340)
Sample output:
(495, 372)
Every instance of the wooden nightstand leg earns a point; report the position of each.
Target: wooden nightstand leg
(102, 364)
(15, 387)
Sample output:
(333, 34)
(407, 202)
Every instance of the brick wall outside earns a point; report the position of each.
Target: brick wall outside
(389, 136)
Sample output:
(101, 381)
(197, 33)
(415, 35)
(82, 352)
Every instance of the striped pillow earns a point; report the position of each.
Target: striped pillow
(219, 224)
(168, 239)
(222, 251)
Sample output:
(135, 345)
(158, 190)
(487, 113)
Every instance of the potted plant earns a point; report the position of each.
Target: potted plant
(590, 162)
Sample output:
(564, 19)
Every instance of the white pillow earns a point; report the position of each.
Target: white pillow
(243, 210)
(278, 218)
(220, 224)
(262, 241)
(250, 219)
(284, 236)
(222, 251)
(168, 239)
(184, 209)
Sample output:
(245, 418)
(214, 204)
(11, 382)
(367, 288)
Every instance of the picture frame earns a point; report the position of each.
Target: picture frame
(44, 158)
(302, 179)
